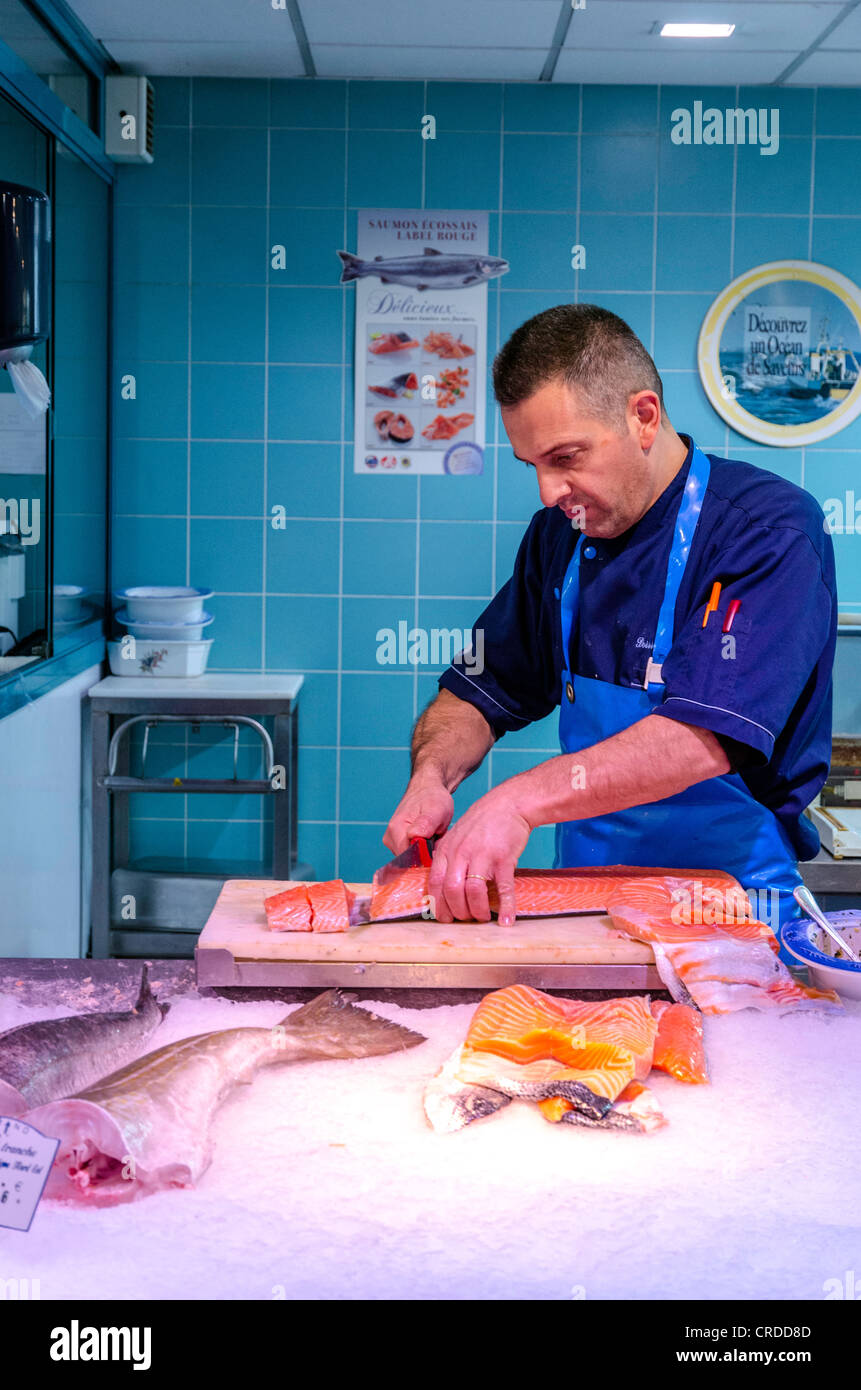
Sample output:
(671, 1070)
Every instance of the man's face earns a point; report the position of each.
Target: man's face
(602, 479)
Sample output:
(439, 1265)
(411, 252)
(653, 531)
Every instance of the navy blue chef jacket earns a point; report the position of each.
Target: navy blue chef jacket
(770, 703)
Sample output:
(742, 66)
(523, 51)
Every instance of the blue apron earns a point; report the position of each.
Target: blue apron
(715, 824)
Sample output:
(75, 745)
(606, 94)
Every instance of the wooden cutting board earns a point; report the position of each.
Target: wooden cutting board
(238, 924)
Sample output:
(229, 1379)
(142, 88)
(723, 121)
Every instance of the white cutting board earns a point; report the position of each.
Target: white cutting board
(238, 924)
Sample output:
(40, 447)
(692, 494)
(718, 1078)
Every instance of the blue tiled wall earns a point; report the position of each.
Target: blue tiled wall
(244, 382)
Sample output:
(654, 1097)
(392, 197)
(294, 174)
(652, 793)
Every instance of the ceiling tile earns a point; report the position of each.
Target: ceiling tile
(412, 23)
(478, 64)
(681, 68)
(207, 59)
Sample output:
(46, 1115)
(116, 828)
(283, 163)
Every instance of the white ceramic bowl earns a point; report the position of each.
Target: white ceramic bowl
(170, 603)
(166, 631)
(70, 604)
(810, 945)
(145, 658)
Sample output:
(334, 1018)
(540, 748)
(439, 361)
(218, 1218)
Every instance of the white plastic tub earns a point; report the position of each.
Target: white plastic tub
(135, 657)
(172, 603)
(166, 631)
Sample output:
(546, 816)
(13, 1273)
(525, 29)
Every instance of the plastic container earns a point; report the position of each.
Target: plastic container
(164, 631)
(145, 658)
(168, 603)
(810, 945)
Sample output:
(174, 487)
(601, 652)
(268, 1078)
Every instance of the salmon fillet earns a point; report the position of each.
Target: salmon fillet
(320, 907)
(710, 949)
(679, 1047)
(603, 1046)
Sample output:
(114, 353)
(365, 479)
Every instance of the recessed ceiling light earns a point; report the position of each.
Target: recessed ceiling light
(696, 31)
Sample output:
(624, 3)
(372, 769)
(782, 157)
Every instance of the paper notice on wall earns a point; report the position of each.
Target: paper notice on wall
(23, 446)
(421, 340)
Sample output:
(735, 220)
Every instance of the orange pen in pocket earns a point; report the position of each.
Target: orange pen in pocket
(713, 601)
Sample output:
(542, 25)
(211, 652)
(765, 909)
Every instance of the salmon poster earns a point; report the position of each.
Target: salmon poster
(421, 340)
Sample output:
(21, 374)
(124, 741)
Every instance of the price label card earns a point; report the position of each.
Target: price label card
(26, 1156)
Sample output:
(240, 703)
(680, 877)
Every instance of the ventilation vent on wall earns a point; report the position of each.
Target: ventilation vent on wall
(129, 120)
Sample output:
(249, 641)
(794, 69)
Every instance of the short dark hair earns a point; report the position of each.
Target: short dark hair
(584, 345)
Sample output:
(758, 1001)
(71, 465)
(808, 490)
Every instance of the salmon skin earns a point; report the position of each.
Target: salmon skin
(637, 1109)
(322, 907)
(40, 1062)
(710, 950)
(147, 1126)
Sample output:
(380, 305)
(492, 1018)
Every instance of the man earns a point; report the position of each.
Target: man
(683, 745)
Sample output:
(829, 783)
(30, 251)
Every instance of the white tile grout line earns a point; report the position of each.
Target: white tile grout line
(579, 188)
(732, 216)
(188, 415)
(417, 557)
(495, 500)
(810, 208)
(266, 531)
(339, 688)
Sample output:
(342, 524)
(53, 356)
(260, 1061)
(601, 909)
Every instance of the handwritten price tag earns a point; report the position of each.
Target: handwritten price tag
(26, 1156)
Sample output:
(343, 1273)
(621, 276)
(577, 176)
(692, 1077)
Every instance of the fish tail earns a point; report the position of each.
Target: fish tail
(349, 266)
(332, 1024)
(145, 995)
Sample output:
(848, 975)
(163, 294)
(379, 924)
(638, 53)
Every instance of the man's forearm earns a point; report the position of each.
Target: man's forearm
(450, 740)
(650, 761)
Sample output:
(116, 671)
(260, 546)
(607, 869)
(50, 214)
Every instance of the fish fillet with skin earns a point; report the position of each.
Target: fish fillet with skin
(719, 968)
(146, 1127)
(40, 1062)
(529, 1045)
(726, 960)
(546, 892)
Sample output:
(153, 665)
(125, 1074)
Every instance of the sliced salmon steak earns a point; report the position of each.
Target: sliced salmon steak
(288, 911)
(679, 1046)
(330, 905)
(320, 907)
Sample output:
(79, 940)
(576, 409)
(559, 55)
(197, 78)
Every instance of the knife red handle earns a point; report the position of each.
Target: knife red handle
(424, 850)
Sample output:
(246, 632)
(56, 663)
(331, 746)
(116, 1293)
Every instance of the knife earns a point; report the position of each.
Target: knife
(419, 853)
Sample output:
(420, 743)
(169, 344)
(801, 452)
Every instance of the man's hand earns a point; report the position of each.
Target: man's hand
(482, 847)
(425, 809)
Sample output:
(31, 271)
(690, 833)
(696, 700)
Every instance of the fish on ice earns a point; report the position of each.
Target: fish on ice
(581, 1063)
(147, 1126)
(43, 1061)
(439, 270)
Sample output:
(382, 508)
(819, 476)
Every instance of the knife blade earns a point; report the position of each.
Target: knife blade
(420, 852)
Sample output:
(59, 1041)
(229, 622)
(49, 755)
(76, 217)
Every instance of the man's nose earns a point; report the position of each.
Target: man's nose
(551, 489)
